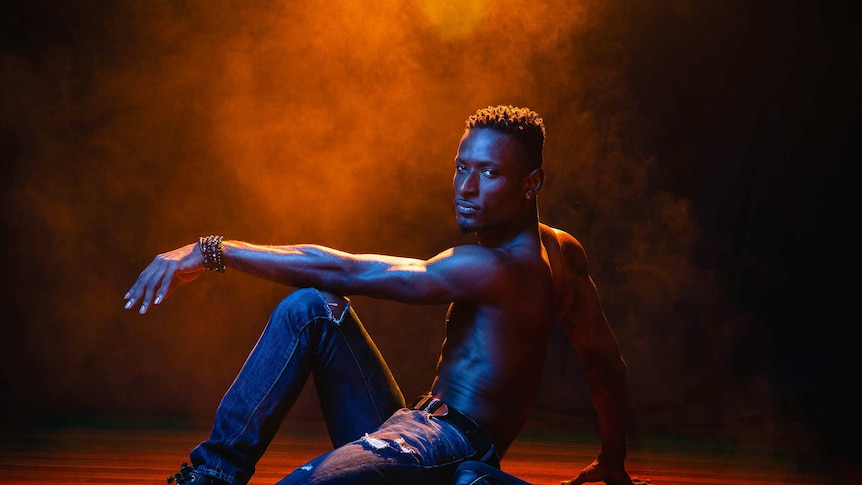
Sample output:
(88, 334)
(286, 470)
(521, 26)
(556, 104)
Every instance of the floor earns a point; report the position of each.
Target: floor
(77, 455)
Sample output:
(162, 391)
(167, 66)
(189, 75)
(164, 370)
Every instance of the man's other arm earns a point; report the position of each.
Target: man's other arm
(590, 334)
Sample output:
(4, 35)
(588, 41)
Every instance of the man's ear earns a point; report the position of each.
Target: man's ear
(533, 182)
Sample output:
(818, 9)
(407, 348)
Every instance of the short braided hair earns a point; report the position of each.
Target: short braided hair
(524, 124)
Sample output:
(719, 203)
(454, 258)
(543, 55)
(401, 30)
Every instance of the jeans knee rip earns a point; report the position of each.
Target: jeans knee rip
(341, 306)
(399, 444)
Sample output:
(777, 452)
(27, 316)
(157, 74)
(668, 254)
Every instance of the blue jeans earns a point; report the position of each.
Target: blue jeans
(412, 447)
(478, 473)
(376, 439)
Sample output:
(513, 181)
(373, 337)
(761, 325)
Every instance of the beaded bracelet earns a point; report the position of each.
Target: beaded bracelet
(211, 249)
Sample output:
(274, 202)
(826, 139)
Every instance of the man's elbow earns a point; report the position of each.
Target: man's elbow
(605, 366)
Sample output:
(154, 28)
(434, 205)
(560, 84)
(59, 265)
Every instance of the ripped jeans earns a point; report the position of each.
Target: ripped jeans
(376, 439)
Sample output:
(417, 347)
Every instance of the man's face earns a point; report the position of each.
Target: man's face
(489, 180)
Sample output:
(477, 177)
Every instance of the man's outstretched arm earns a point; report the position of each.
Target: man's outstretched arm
(448, 276)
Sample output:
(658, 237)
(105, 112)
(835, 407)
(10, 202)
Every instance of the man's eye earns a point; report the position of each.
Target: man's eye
(459, 168)
(489, 172)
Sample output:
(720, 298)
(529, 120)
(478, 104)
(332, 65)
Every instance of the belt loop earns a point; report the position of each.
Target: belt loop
(430, 405)
(487, 452)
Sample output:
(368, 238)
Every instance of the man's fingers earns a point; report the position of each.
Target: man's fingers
(145, 301)
(165, 284)
(574, 481)
(133, 294)
(578, 480)
(144, 288)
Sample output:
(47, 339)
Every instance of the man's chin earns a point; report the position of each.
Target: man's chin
(466, 227)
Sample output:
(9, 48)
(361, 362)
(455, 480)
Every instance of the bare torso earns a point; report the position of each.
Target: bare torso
(491, 362)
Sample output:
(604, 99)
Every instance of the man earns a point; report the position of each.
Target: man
(505, 293)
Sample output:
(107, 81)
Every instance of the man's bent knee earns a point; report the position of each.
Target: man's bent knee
(337, 305)
(334, 307)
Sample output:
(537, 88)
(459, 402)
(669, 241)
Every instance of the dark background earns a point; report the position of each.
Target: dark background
(699, 150)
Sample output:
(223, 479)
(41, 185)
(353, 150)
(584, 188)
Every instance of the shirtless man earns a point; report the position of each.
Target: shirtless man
(505, 293)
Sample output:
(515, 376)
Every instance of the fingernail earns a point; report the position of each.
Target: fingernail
(158, 300)
(129, 304)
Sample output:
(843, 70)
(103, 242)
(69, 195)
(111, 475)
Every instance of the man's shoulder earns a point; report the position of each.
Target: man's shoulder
(570, 255)
(562, 238)
(476, 258)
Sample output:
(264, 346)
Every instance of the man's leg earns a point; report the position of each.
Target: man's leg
(412, 447)
(478, 473)
(309, 332)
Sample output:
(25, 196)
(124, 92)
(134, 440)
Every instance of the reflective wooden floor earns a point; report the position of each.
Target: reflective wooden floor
(78, 455)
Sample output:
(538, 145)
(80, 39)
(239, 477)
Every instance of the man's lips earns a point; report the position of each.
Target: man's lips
(465, 207)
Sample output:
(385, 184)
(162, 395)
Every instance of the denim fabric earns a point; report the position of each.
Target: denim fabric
(412, 447)
(357, 391)
(478, 473)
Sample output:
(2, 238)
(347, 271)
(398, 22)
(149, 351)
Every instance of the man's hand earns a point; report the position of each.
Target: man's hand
(166, 272)
(596, 472)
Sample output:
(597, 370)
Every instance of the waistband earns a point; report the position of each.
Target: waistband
(485, 450)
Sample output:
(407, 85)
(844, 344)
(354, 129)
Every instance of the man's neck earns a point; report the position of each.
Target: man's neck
(500, 237)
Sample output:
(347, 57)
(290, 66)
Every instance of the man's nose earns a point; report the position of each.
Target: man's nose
(468, 184)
